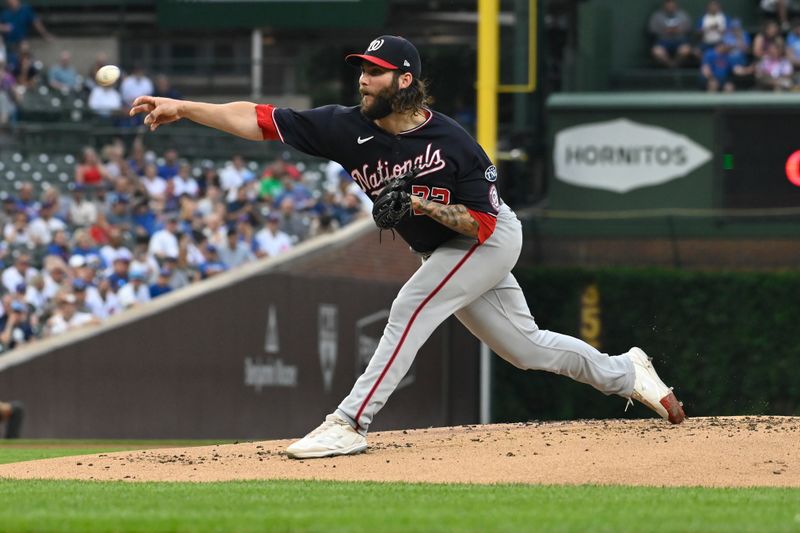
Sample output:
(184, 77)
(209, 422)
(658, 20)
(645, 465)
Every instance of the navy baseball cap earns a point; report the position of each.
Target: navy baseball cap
(390, 52)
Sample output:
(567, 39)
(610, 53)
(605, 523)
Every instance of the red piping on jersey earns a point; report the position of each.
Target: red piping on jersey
(265, 114)
(486, 223)
(408, 328)
(430, 116)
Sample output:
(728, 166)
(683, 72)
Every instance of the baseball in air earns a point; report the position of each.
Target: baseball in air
(107, 75)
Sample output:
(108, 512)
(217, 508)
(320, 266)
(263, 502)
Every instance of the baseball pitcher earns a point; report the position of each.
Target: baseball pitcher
(435, 186)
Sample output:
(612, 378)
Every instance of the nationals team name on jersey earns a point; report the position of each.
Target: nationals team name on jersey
(454, 169)
(430, 161)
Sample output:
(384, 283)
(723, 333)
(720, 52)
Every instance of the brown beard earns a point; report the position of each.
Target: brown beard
(382, 103)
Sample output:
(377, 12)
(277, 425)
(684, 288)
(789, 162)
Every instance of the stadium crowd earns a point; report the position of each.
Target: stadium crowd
(729, 57)
(135, 226)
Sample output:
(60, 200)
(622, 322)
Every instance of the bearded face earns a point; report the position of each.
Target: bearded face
(380, 104)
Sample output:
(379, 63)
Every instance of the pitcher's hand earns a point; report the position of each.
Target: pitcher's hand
(159, 110)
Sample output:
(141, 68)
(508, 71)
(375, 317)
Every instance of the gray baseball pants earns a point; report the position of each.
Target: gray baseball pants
(475, 282)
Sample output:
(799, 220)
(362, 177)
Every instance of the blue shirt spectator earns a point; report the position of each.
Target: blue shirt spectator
(161, 286)
(16, 21)
(62, 76)
(738, 42)
(717, 68)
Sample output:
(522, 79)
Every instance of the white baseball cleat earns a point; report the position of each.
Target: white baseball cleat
(651, 391)
(334, 437)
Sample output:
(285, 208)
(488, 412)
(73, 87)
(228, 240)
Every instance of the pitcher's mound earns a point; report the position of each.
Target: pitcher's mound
(721, 452)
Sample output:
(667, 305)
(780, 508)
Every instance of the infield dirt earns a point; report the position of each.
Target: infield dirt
(712, 452)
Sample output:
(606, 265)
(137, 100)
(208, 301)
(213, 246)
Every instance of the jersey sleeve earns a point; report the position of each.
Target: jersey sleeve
(308, 131)
(477, 191)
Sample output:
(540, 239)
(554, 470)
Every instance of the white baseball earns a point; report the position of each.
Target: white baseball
(107, 75)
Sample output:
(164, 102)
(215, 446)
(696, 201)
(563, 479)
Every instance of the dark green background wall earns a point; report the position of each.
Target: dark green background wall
(727, 342)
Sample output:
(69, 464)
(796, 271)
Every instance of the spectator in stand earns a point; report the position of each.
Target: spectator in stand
(26, 201)
(138, 158)
(212, 264)
(105, 101)
(119, 270)
(774, 71)
(711, 26)
(113, 156)
(208, 178)
(235, 175)
(184, 182)
(82, 211)
(154, 185)
(25, 69)
(301, 197)
(20, 272)
(35, 294)
(239, 207)
(234, 252)
(164, 242)
(59, 246)
(171, 165)
(120, 215)
(770, 34)
(738, 41)
(162, 283)
(144, 220)
(136, 84)
(89, 171)
(66, 316)
(270, 240)
(9, 96)
(55, 274)
(214, 230)
(165, 90)
(793, 45)
(780, 9)
(15, 24)
(717, 69)
(671, 27)
(293, 223)
(109, 298)
(324, 224)
(84, 245)
(42, 228)
(62, 76)
(15, 326)
(16, 231)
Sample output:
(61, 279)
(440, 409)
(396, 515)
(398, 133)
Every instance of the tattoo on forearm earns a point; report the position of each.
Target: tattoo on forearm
(455, 217)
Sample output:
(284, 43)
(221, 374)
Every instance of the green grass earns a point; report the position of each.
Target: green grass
(14, 451)
(376, 507)
(80, 506)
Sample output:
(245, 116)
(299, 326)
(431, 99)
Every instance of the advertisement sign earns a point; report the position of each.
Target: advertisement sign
(621, 155)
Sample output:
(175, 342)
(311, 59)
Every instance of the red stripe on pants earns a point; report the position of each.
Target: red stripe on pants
(408, 327)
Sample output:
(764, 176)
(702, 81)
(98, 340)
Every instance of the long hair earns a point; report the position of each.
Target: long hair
(412, 98)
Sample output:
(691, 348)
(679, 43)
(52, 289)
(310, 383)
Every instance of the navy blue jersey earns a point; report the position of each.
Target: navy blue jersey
(454, 169)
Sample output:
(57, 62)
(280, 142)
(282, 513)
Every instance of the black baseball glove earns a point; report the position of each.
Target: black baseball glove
(393, 203)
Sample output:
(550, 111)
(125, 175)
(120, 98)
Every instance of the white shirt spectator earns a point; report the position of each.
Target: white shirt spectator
(58, 325)
(12, 277)
(105, 100)
(41, 230)
(94, 301)
(83, 213)
(36, 298)
(51, 288)
(134, 86)
(163, 244)
(110, 305)
(272, 244)
(185, 186)
(231, 178)
(108, 253)
(155, 186)
(130, 295)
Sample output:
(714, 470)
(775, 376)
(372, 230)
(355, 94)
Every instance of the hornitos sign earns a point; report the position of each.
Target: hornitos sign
(621, 155)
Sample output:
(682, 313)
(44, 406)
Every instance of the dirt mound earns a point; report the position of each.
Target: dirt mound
(720, 452)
